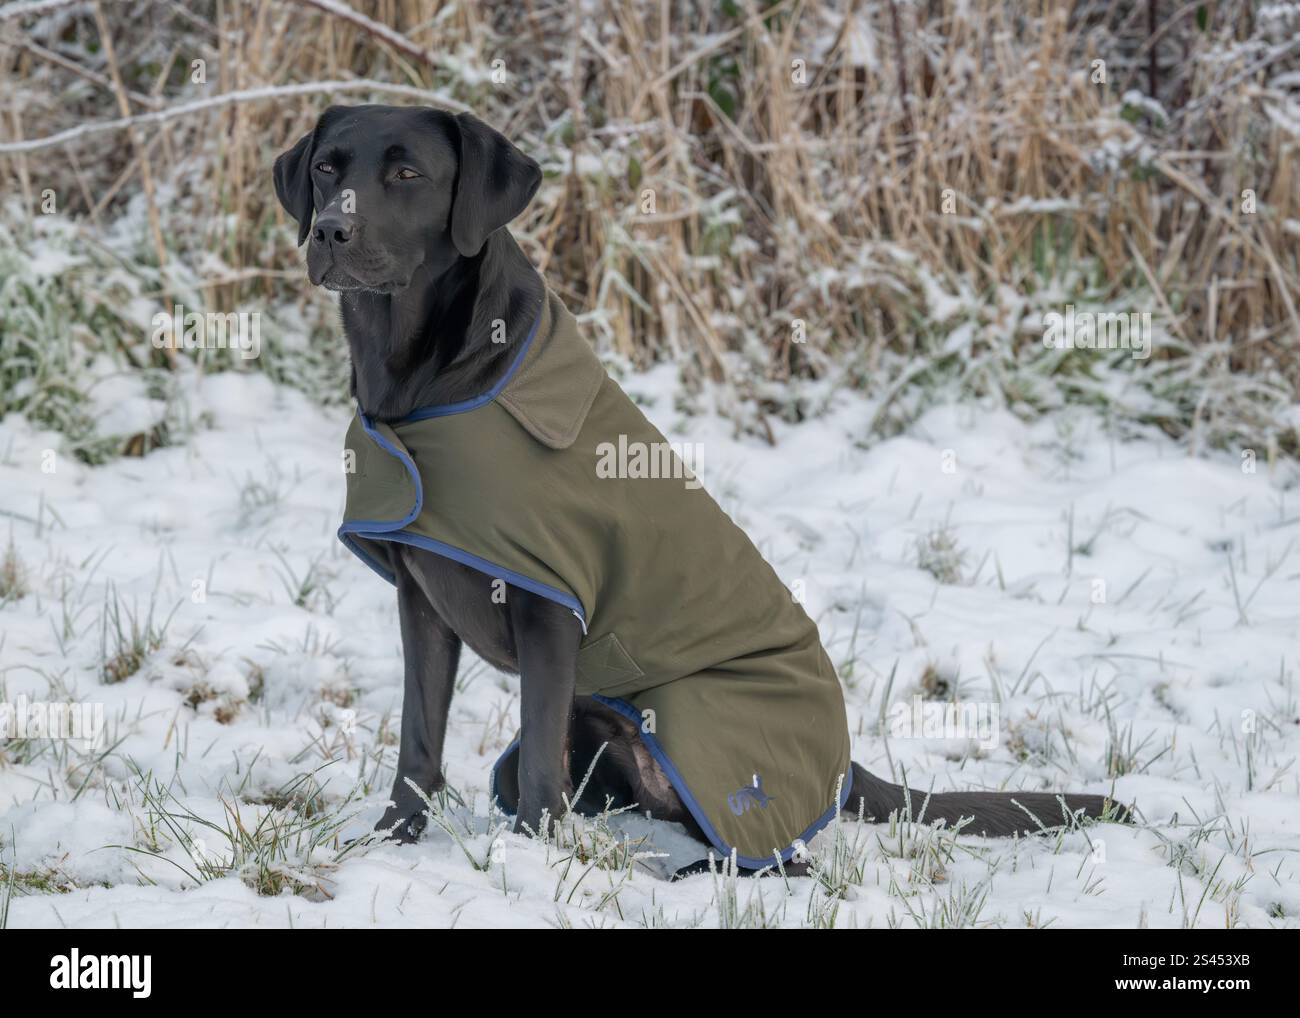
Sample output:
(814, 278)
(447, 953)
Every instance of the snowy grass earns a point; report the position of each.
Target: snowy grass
(1129, 609)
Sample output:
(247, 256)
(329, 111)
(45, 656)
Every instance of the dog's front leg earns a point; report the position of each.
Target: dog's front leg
(546, 641)
(431, 651)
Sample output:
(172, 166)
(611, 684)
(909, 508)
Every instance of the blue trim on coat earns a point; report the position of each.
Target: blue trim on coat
(392, 530)
(482, 565)
(385, 525)
(474, 402)
(365, 556)
(692, 804)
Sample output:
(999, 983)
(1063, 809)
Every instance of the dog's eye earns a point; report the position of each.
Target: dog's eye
(325, 167)
(406, 173)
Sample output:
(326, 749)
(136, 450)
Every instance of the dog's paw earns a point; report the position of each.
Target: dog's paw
(408, 809)
(402, 825)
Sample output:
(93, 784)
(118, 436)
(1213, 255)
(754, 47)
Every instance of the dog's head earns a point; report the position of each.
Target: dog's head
(395, 188)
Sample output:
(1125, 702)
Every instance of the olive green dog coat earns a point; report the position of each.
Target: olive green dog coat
(555, 482)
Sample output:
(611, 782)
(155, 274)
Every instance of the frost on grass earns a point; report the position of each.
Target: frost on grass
(250, 720)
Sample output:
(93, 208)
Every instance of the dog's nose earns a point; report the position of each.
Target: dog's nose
(334, 227)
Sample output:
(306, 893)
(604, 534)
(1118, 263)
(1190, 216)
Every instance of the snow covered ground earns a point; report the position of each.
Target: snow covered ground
(1132, 613)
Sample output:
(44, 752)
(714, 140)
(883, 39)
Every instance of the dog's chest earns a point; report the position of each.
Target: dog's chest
(472, 603)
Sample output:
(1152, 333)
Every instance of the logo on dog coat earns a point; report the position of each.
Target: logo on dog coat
(743, 799)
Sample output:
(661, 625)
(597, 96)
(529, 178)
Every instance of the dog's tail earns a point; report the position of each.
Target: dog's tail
(995, 814)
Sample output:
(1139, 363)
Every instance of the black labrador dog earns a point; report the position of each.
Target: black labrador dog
(406, 211)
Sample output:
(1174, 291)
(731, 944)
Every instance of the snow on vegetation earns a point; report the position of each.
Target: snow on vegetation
(824, 244)
(1130, 611)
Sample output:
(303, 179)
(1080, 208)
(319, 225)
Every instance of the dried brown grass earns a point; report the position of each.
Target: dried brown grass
(776, 202)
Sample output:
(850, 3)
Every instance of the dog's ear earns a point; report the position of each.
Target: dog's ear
(293, 183)
(494, 183)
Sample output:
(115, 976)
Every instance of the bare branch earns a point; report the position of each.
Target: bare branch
(338, 9)
(216, 102)
(71, 65)
(23, 10)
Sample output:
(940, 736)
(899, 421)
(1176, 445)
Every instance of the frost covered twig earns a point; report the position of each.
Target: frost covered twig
(338, 9)
(31, 7)
(216, 102)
